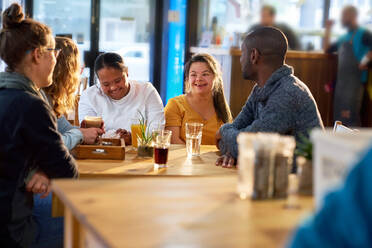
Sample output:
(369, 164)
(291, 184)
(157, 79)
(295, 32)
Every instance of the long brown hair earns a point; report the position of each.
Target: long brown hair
(219, 101)
(20, 36)
(66, 77)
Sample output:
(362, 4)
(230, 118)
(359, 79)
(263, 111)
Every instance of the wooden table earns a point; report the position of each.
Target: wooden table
(172, 212)
(178, 165)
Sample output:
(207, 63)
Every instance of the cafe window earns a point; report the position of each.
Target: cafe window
(231, 17)
(72, 19)
(124, 29)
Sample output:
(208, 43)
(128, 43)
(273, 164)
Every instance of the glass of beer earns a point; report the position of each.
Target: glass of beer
(194, 133)
(93, 121)
(135, 129)
(161, 141)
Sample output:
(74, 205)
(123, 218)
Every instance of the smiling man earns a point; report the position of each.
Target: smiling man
(279, 102)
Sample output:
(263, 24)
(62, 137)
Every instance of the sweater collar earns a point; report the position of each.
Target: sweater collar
(261, 94)
(14, 80)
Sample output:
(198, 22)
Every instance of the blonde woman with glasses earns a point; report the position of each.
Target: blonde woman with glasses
(204, 101)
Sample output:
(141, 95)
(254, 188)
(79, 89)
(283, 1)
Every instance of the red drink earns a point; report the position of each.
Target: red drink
(160, 156)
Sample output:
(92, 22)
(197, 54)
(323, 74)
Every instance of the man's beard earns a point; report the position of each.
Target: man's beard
(248, 74)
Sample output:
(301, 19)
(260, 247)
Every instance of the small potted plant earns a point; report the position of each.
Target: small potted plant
(144, 139)
(304, 154)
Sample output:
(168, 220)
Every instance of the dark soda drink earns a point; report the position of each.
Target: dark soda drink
(160, 155)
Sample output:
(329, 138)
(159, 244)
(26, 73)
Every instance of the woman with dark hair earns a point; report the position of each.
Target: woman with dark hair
(204, 101)
(29, 137)
(119, 100)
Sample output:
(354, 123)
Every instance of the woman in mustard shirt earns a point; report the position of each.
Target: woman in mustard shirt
(204, 101)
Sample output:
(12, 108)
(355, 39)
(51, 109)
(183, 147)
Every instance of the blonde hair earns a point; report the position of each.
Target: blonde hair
(219, 101)
(66, 77)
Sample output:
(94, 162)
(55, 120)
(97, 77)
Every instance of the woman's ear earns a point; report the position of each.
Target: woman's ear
(36, 55)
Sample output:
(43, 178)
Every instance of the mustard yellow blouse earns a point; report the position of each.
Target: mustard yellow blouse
(178, 111)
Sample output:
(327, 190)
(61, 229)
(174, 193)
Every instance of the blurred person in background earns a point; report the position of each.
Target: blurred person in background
(268, 15)
(204, 101)
(354, 52)
(345, 218)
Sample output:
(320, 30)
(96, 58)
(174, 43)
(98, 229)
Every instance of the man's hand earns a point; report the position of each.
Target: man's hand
(327, 35)
(124, 134)
(226, 161)
(218, 138)
(363, 65)
(39, 184)
(90, 135)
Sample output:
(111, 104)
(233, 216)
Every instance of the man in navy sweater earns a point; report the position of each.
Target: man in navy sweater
(279, 101)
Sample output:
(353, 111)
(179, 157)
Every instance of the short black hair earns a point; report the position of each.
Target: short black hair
(269, 8)
(351, 8)
(111, 60)
(270, 42)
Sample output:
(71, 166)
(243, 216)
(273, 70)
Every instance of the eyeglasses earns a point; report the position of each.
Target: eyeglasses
(56, 51)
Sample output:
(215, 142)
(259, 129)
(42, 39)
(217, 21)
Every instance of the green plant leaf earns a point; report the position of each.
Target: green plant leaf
(304, 147)
(145, 137)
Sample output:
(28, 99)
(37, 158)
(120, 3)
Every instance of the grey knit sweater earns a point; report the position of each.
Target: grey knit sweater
(284, 105)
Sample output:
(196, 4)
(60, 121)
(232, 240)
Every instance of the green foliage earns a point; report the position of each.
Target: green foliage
(145, 137)
(304, 147)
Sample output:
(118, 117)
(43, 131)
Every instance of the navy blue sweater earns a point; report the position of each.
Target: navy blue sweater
(28, 139)
(284, 105)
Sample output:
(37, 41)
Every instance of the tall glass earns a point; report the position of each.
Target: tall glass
(135, 129)
(194, 132)
(161, 140)
(93, 121)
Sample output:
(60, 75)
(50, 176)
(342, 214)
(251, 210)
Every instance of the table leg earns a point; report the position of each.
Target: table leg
(57, 206)
(73, 238)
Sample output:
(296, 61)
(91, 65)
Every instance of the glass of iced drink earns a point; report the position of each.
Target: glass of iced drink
(135, 129)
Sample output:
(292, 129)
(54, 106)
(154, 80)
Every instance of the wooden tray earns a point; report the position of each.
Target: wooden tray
(115, 151)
